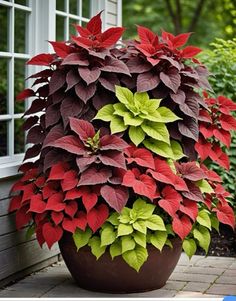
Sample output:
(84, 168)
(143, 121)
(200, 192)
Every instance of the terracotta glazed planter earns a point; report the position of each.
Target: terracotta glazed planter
(115, 276)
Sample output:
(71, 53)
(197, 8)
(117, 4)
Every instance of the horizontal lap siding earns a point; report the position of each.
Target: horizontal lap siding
(17, 253)
(112, 13)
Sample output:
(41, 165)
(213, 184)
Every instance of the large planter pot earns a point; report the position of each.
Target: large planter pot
(115, 276)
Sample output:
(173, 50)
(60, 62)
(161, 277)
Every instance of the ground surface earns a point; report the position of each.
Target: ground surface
(201, 277)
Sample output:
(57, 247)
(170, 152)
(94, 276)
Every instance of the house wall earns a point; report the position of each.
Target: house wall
(18, 256)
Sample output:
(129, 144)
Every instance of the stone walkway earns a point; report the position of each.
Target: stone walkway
(208, 277)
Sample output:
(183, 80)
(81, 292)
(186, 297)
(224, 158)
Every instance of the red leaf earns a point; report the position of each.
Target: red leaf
(171, 78)
(141, 156)
(29, 191)
(25, 94)
(223, 136)
(70, 224)
(15, 203)
(182, 226)
(228, 123)
(22, 217)
(210, 174)
(115, 196)
(190, 51)
(89, 75)
(71, 208)
(95, 24)
(112, 142)
(43, 59)
(82, 128)
(225, 214)
(217, 155)
(190, 208)
(92, 176)
(57, 171)
(146, 35)
(70, 180)
(73, 194)
(97, 217)
(83, 32)
(81, 220)
(180, 39)
(190, 171)
(55, 202)
(206, 130)
(70, 144)
(111, 36)
(170, 201)
(203, 148)
(226, 105)
(57, 217)
(113, 158)
(37, 204)
(142, 185)
(51, 233)
(61, 49)
(83, 42)
(89, 198)
(147, 81)
(85, 92)
(48, 190)
(148, 50)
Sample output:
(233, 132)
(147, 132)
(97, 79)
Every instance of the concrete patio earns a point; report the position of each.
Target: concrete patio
(208, 277)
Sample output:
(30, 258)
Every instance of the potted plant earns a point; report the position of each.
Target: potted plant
(115, 173)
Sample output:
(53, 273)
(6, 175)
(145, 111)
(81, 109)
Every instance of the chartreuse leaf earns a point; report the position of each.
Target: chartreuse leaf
(81, 238)
(136, 258)
(143, 210)
(177, 150)
(158, 147)
(105, 113)
(156, 130)
(108, 235)
(120, 109)
(125, 215)
(169, 243)
(136, 135)
(130, 119)
(158, 239)
(96, 248)
(189, 247)
(167, 115)
(124, 230)
(30, 232)
(140, 238)
(202, 235)
(124, 95)
(117, 125)
(115, 249)
(140, 226)
(215, 223)
(203, 219)
(169, 229)
(127, 243)
(155, 222)
(153, 105)
(204, 186)
(113, 219)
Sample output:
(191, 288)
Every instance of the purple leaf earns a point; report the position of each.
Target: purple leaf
(57, 81)
(55, 133)
(72, 78)
(82, 128)
(116, 196)
(75, 59)
(147, 81)
(190, 107)
(52, 115)
(32, 151)
(69, 143)
(178, 97)
(89, 76)
(174, 63)
(112, 142)
(113, 158)
(35, 135)
(115, 65)
(189, 128)
(171, 78)
(84, 162)
(109, 81)
(93, 176)
(85, 92)
(36, 106)
(194, 193)
(30, 122)
(70, 107)
(138, 65)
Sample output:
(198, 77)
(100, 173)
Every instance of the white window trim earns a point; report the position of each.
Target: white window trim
(40, 32)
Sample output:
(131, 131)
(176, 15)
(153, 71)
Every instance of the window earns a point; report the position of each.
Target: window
(25, 28)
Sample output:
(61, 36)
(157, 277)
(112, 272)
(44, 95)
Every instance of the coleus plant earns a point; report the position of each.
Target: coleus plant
(119, 144)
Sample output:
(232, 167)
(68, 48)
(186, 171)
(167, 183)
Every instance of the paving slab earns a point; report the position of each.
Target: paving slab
(224, 289)
(196, 286)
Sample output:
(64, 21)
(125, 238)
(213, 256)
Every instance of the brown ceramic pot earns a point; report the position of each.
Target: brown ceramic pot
(116, 276)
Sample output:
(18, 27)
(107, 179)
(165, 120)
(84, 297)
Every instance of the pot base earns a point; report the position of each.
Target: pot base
(116, 276)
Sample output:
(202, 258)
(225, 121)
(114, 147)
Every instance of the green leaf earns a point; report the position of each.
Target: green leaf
(124, 95)
(113, 219)
(153, 116)
(189, 247)
(153, 105)
(155, 222)
(158, 239)
(169, 230)
(108, 235)
(117, 125)
(203, 219)
(115, 249)
(130, 119)
(167, 115)
(215, 223)
(177, 150)
(127, 243)
(125, 215)
(136, 258)
(140, 238)
(204, 186)
(96, 248)
(136, 135)
(159, 147)
(30, 232)
(143, 210)
(81, 238)
(105, 113)
(156, 130)
(140, 97)
(124, 230)
(120, 109)
(169, 243)
(140, 226)
(202, 235)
